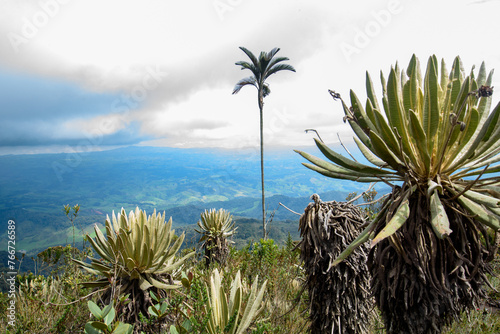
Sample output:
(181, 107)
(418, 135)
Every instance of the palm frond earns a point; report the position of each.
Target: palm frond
(279, 67)
(243, 82)
(270, 55)
(251, 56)
(263, 62)
(275, 61)
(246, 65)
(266, 58)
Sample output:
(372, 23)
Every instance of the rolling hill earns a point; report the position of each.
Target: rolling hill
(183, 182)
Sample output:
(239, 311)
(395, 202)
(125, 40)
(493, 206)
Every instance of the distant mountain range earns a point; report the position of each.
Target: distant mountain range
(183, 182)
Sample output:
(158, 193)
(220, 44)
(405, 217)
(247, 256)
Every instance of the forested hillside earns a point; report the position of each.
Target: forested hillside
(181, 182)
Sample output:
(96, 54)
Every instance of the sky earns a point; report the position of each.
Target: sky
(89, 75)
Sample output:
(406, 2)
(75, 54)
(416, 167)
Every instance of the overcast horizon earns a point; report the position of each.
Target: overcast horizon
(84, 76)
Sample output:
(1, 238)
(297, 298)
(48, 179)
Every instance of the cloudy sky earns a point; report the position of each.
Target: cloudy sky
(90, 75)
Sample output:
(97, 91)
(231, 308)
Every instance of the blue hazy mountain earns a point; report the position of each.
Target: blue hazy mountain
(34, 188)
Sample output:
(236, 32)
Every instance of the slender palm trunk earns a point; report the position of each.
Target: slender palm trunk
(261, 109)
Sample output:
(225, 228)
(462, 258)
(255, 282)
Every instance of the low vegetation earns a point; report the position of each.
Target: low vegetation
(262, 280)
(255, 293)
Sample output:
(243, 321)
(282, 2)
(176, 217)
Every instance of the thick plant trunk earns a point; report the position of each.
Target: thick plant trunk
(422, 283)
(140, 299)
(340, 300)
(216, 250)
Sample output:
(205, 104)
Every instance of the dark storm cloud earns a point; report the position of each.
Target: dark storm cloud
(41, 134)
(34, 110)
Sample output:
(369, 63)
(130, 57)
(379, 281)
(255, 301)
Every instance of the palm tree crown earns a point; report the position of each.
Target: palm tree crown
(262, 68)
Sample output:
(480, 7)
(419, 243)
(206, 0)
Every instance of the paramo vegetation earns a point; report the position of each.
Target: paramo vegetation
(425, 254)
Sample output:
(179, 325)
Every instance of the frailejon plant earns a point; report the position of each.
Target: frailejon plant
(339, 297)
(227, 313)
(434, 140)
(137, 254)
(215, 228)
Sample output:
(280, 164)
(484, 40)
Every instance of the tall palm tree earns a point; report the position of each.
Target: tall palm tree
(436, 143)
(262, 68)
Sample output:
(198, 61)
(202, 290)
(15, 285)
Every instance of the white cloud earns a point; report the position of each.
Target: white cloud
(110, 48)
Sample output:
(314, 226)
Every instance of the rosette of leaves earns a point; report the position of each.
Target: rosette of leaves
(434, 140)
(137, 254)
(215, 227)
(228, 313)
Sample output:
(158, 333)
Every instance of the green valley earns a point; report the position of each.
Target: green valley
(182, 182)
